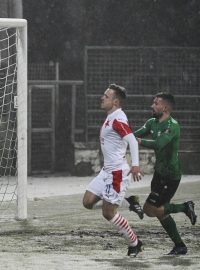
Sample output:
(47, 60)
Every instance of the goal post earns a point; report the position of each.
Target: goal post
(13, 110)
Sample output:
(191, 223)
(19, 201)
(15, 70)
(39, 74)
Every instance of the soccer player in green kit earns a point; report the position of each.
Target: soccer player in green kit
(164, 138)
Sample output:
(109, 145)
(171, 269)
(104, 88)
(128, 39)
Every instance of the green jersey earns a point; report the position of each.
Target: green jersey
(165, 137)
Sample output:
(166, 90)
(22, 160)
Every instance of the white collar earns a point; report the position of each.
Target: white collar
(115, 112)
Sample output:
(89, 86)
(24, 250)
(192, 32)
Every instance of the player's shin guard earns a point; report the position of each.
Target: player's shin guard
(123, 228)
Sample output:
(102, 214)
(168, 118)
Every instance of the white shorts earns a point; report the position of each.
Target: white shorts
(112, 186)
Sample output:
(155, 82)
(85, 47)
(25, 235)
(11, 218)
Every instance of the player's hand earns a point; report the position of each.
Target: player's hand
(136, 173)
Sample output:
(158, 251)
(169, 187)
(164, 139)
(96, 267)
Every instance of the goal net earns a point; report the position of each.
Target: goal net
(13, 118)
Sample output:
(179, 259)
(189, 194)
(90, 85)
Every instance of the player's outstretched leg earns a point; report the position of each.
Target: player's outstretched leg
(133, 251)
(135, 206)
(189, 211)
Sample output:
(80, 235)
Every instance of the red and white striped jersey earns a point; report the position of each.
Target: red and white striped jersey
(113, 147)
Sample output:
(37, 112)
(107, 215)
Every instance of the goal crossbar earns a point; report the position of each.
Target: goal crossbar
(12, 22)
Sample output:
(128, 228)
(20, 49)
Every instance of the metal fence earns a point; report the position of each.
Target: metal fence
(56, 120)
(64, 112)
(144, 71)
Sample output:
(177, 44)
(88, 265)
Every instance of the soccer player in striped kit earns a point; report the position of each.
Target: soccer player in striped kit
(111, 184)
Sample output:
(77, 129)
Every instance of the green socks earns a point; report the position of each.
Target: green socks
(171, 208)
(170, 227)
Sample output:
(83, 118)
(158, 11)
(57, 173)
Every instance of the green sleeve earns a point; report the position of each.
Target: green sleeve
(162, 140)
(144, 130)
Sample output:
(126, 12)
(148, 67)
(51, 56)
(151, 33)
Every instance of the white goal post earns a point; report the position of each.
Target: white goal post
(13, 111)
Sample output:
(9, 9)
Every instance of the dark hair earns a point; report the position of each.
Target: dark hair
(167, 97)
(120, 91)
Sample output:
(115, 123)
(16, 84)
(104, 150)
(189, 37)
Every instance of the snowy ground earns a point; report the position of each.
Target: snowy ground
(59, 186)
(61, 234)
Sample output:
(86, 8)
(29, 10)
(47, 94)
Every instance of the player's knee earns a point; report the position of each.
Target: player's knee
(87, 204)
(148, 211)
(108, 214)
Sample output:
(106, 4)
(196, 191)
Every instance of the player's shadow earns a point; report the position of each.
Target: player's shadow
(142, 262)
(175, 260)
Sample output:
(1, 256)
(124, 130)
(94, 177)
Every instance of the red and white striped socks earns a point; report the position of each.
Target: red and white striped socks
(124, 228)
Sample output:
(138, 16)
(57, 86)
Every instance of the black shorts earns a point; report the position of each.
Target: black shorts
(162, 190)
